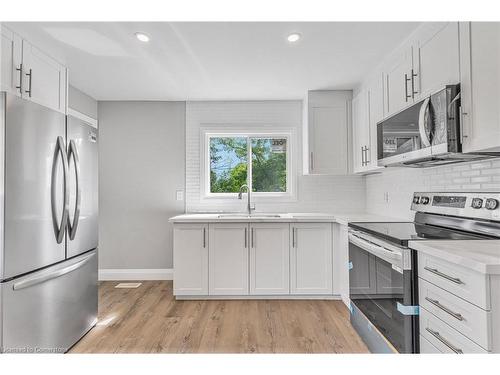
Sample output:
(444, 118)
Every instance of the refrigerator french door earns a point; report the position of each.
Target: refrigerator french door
(48, 228)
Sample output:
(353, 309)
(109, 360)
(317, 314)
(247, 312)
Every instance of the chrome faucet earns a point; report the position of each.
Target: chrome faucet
(240, 196)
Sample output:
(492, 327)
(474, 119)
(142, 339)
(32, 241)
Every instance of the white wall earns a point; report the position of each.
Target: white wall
(314, 193)
(401, 183)
(141, 165)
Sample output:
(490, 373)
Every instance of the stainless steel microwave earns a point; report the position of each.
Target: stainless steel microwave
(425, 134)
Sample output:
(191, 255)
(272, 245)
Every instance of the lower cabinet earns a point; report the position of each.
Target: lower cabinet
(259, 259)
(191, 259)
(311, 258)
(228, 259)
(269, 258)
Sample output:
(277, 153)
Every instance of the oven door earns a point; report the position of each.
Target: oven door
(381, 287)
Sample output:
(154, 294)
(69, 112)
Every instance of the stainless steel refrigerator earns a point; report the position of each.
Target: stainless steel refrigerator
(48, 227)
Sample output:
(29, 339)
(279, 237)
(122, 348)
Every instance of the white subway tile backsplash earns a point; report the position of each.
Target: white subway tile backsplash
(402, 183)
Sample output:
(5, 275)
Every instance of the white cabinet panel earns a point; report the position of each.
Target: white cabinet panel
(269, 258)
(311, 258)
(436, 60)
(375, 114)
(360, 131)
(191, 259)
(328, 125)
(44, 79)
(340, 262)
(480, 83)
(228, 259)
(398, 82)
(11, 59)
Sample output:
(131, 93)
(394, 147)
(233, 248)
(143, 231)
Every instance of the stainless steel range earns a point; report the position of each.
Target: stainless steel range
(383, 270)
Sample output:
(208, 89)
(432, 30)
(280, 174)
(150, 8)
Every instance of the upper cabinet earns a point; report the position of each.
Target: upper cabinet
(426, 63)
(328, 120)
(360, 131)
(31, 74)
(480, 82)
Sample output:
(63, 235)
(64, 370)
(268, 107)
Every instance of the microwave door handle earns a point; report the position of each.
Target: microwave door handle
(424, 138)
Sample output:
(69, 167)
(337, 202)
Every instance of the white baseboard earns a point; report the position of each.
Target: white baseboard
(118, 274)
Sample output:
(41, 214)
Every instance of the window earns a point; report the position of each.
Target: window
(260, 161)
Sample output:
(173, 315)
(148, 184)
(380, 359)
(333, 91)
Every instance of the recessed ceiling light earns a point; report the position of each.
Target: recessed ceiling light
(294, 37)
(142, 37)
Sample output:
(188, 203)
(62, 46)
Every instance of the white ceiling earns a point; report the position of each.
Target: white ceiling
(209, 61)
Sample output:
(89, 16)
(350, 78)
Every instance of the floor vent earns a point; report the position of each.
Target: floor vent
(128, 285)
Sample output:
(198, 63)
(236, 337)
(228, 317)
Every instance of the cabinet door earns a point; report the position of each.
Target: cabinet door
(191, 259)
(11, 55)
(436, 58)
(269, 258)
(398, 82)
(387, 277)
(328, 132)
(311, 259)
(44, 79)
(360, 129)
(480, 83)
(375, 114)
(228, 259)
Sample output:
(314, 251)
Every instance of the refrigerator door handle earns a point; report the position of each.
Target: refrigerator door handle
(59, 229)
(73, 153)
(51, 275)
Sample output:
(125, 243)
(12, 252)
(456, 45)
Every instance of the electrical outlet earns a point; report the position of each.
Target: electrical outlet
(179, 195)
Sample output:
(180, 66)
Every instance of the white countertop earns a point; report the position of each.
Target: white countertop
(341, 218)
(478, 255)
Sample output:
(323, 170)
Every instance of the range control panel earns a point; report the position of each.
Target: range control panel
(474, 204)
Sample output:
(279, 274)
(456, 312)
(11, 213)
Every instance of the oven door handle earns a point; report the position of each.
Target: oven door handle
(389, 256)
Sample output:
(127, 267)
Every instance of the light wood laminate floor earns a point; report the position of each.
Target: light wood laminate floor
(149, 320)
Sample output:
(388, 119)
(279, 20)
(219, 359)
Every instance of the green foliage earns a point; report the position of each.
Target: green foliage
(228, 165)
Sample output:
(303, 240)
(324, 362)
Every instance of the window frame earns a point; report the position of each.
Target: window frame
(291, 173)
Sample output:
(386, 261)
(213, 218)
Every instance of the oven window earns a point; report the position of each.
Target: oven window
(376, 287)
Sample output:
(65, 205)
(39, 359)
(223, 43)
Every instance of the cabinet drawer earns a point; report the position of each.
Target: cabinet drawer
(473, 287)
(465, 317)
(445, 338)
(426, 347)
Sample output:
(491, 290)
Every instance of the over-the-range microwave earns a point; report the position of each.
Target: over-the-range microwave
(425, 134)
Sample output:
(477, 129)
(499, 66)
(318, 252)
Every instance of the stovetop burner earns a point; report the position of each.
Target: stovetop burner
(402, 232)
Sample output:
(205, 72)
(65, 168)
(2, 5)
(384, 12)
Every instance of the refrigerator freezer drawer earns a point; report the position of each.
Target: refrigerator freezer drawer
(50, 310)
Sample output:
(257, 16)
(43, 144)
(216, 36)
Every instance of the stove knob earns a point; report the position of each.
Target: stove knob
(491, 204)
(416, 199)
(477, 203)
(424, 200)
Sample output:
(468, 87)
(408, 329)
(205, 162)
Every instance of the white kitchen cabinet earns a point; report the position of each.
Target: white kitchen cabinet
(328, 124)
(360, 131)
(375, 90)
(480, 86)
(44, 79)
(191, 259)
(397, 77)
(311, 258)
(341, 262)
(269, 258)
(436, 58)
(11, 59)
(228, 259)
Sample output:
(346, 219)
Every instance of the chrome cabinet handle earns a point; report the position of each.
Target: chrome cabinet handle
(252, 237)
(312, 161)
(445, 309)
(204, 237)
(362, 156)
(59, 229)
(455, 280)
(406, 88)
(293, 237)
(20, 70)
(73, 154)
(246, 235)
(30, 74)
(413, 92)
(366, 155)
(444, 341)
(51, 275)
